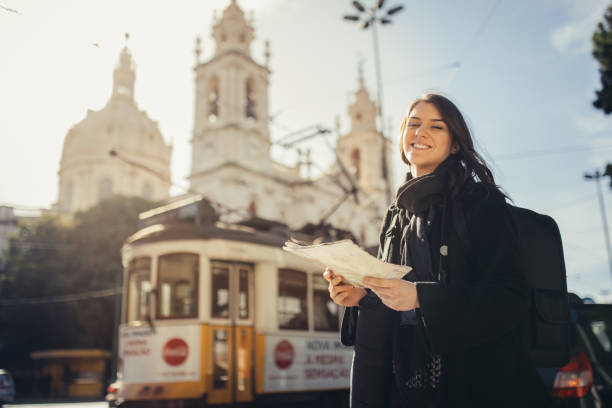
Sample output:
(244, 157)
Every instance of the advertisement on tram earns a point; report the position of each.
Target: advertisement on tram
(302, 363)
(164, 353)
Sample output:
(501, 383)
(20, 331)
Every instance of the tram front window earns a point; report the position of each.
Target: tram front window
(178, 283)
(325, 310)
(139, 285)
(292, 311)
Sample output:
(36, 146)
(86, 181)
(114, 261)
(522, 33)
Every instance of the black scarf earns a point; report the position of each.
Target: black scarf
(421, 203)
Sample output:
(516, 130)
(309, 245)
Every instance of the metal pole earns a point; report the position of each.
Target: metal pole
(604, 219)
(380, 110)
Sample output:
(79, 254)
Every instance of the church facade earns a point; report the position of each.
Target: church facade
(231, 161)
(116, 150)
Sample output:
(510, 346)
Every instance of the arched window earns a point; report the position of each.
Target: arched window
(251, 103)
(105, 188)
(356, 162)
(213, 99)
(147, 191)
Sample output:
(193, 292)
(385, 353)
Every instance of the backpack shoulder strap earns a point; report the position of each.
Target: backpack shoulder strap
(460, 225)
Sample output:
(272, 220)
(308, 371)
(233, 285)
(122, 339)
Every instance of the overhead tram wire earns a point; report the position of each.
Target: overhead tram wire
(21, 207)
(187, 190)
(337, 95)
(546, 152)
(581, 200)
(469, 46)
(94, 294)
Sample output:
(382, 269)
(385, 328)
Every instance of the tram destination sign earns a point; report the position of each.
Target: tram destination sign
(168, 354)
(295, 363)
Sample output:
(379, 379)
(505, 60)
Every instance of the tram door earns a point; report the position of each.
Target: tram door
(230, 336)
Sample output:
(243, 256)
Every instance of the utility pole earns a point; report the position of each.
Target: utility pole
(370, 19)
(597, 176)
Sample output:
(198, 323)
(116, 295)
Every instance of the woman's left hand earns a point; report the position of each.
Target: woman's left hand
(397, 294)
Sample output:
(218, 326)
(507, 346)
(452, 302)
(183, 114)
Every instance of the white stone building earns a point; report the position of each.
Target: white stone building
(141, 164)
(231, 161)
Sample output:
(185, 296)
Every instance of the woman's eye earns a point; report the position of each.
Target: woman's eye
(437, 127)
(413, 125)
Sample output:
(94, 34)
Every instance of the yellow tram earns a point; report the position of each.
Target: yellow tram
(217, 313)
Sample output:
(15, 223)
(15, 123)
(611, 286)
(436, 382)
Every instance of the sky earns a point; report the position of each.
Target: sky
(520, 71)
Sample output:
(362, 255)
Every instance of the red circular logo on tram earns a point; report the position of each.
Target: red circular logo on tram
(175, 351)
(284, 353)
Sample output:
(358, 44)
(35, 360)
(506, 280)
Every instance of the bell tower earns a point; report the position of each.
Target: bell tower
(231, 98)
(361, 147)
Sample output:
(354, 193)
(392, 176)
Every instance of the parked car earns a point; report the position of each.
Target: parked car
(586, 381)
(7, 387)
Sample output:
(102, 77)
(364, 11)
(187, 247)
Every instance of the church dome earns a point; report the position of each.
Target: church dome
(141, 163)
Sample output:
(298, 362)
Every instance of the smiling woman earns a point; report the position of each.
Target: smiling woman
(446, 334)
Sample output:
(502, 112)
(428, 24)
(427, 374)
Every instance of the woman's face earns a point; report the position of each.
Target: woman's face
(427, 141)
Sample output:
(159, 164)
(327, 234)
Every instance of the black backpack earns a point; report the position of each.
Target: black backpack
(546, 331)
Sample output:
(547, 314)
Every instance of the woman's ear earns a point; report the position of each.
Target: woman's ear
(454, 148)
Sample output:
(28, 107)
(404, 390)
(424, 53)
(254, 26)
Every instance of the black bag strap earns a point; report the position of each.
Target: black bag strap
(455, 209)
(443, 252)
(460, 225)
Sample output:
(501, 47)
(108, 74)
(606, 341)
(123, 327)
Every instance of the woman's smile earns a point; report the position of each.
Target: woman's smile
(419, 146)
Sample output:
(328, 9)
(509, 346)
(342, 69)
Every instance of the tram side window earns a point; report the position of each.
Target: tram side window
(139, 286)
(178, 285)
(292, 309)
(325, 310)
(243, 293)
(220, 291)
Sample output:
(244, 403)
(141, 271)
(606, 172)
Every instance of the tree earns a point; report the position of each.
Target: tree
(51, 258)
(602, 51)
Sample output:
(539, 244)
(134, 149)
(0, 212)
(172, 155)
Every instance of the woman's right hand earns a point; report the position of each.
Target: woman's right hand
(340, 292)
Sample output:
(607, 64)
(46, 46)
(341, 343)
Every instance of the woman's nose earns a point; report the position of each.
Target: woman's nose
(419, 131)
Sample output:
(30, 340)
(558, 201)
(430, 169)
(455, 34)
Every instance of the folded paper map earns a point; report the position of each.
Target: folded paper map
(347, 259)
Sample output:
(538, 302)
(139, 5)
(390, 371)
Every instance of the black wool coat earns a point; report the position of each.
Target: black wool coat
(472, 319)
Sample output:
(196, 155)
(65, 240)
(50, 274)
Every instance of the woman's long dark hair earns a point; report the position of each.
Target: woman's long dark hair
(471, 167)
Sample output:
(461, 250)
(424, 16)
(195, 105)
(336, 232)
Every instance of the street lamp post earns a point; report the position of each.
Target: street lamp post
(369, 19)
(597, 176)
